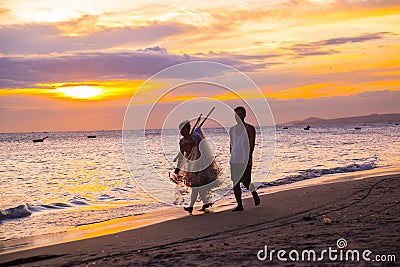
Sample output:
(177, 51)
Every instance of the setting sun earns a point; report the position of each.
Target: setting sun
(81, 92)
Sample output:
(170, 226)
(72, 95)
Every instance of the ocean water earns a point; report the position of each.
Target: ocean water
(70, 180)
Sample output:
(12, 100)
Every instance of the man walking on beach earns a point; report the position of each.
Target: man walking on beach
(242, 139)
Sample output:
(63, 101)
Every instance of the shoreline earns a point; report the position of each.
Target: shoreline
(124, 229)
(132, 222)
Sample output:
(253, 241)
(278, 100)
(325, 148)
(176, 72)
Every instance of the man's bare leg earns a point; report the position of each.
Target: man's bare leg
(238, 195)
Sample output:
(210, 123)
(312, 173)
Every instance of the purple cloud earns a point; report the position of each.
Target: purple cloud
(320, 47)
(47, 38)
(141, 64)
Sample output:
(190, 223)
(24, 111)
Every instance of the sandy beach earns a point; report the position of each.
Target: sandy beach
(366, 213)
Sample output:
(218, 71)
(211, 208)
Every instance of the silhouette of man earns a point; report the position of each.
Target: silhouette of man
(242, 142)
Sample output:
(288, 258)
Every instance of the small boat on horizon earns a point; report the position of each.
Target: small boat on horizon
(91, 136)
(285, 128)
(307, 128)
(396, 123)
(40, 140)
(357, 128)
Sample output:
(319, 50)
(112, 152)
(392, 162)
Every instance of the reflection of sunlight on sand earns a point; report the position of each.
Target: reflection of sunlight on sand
(96, 229)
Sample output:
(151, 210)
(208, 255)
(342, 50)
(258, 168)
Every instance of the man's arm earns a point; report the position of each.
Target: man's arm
(251, 133)
(230, 139)
(179, 157)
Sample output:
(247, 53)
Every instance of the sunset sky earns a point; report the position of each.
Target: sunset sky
(74, 65)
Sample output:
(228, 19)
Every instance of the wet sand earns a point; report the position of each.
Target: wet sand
(364, 212)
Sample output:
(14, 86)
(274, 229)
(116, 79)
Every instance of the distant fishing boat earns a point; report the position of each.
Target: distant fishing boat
(396, 123)
(91, 136)
(39, 140)
(307, 128)
(357, 128)
(285, 128)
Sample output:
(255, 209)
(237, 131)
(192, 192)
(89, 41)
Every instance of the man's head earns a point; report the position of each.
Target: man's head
(184, 128)
(241, 113)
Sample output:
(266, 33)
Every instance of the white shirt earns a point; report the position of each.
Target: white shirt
(240, 148)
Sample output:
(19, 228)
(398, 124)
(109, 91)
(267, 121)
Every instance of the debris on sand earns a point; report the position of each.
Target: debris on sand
(327, 220)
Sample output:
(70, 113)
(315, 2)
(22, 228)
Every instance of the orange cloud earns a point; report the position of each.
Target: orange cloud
(85, 91)
(333, 89)
(317, 90)
(4, 10)
(86, 24)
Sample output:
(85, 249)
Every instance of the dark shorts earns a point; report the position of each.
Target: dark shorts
(241, 173)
